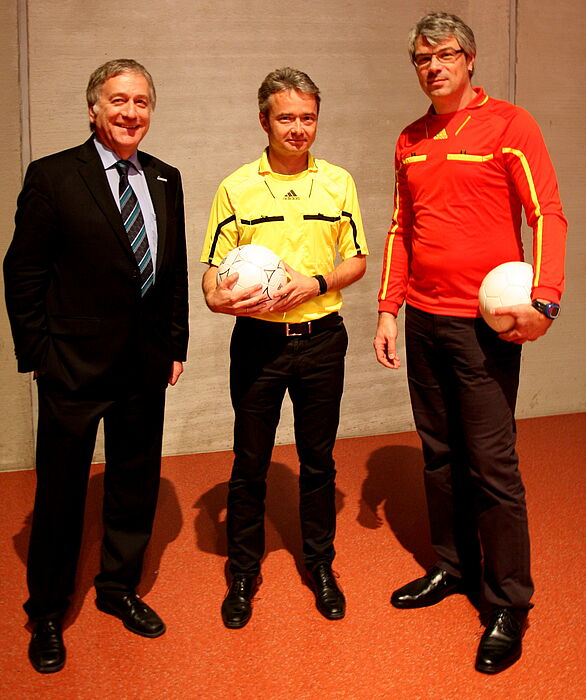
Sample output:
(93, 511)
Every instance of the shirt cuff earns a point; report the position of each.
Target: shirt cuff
(389, 306)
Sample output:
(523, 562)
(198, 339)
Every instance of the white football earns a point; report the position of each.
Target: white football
(254, 264)
(505, 285)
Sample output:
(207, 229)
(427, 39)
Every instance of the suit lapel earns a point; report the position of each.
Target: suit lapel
(92, 173)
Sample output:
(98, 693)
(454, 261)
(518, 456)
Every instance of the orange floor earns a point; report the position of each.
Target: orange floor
(288, 650)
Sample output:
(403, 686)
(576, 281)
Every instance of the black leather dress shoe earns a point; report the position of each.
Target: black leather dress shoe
(46, 650)
(500, 645)
(237, 605)
(430, 589)
(329, 599)
(135, 614)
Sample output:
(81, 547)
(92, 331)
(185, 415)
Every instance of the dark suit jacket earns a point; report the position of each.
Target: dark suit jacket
(72, 282)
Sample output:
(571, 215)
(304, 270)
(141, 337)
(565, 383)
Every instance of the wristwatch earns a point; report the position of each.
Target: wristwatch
(547, 308)
(323, 285)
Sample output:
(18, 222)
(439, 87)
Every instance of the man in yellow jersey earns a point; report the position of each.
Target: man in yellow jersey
(305, 210)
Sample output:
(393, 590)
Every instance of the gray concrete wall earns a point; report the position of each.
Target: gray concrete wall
(207, 60)
(551, 61)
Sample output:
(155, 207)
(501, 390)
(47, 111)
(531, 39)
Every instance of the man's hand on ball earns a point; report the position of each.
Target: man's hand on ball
(530, 324)
(299, 288)
(246, 302)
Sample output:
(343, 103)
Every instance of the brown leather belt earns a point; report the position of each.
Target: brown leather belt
(293, 330)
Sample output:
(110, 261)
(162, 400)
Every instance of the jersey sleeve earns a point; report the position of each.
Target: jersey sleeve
(222, 232)
(532, 173)
(351, 238)
(397, 250)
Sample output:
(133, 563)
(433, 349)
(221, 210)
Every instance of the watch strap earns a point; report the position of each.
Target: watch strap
(549, 309)
(323, 285)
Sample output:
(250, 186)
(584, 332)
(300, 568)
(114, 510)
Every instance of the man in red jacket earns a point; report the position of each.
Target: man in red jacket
(464, 172)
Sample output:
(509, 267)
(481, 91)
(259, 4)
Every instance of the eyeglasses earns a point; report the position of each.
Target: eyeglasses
(423, 60)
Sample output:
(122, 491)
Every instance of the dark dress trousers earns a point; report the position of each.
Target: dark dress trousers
(101, 351)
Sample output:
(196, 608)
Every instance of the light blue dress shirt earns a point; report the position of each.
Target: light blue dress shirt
(138, 183)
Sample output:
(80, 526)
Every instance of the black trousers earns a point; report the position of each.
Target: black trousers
(133, 428)
(463, 383)
(264, 365)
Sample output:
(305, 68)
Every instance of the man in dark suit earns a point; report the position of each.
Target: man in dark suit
(96, 290)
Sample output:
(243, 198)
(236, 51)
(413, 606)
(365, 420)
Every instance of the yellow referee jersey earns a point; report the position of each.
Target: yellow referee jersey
(304, 218)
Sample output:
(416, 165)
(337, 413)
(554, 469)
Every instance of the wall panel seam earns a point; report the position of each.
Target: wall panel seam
(513, 5)
(25, 136)
(23, 82)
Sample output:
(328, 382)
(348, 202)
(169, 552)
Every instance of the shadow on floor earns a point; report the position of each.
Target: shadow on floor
(168, 523)
(393, 491)
(281, 518)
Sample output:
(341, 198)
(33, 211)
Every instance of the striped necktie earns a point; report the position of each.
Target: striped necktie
(135, 228)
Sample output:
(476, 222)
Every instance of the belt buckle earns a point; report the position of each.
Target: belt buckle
(290, 334)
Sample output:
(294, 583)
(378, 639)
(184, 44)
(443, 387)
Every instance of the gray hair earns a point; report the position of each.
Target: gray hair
(285, 79)
(110, 70)
(438, 26)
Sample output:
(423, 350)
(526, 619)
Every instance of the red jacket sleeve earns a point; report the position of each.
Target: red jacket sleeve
(534, 179)
(397, 251)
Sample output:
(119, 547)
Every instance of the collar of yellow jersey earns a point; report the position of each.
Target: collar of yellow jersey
(265, 169)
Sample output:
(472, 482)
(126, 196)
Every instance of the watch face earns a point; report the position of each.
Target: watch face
(553, 310)
(549, 309)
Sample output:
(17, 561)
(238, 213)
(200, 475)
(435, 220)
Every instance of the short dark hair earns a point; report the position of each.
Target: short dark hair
(111, 69)
(437, 26)
(285, 79)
